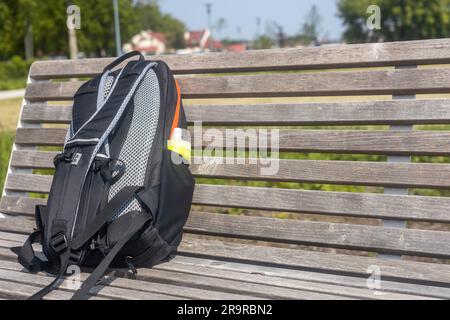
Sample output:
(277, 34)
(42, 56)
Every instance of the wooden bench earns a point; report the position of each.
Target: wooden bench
(288, 242)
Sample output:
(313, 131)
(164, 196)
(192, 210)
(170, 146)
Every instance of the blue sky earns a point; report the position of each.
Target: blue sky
(243, 14)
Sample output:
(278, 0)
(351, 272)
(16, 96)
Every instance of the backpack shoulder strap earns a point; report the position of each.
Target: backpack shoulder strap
(130, 223)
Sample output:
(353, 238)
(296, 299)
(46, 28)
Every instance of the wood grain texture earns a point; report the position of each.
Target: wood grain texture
(256, 257)
(11, 290)
(327, 56)
(339, 235)
(434, 111)
(419, 142)
(429, 273)
(195, 286)
(418, 175)
(398, 81)
(201, 274)
(109, 291)
(42, 113)
(249, 274)
(222, 267)
(359, 237)
(370, 205)
(339, 113)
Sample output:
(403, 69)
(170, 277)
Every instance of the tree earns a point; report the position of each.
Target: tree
(149, 16)
(263, 42)
(220, 26)
(400, 20)
(311, 28)
(96, 36)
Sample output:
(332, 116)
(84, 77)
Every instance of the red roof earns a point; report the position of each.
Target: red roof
(146, 49)
(237, 47)
(158, 35)
(214, 44)
(196, 36)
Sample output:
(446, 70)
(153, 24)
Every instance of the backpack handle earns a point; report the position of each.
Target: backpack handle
(122, 58)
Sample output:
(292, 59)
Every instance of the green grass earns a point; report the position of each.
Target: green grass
(12, 84)
(6, 141)
(9, 114)
(13, 73)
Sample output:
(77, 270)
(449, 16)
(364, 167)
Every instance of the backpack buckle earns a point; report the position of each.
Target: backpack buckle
(75, 256)
(58, 242)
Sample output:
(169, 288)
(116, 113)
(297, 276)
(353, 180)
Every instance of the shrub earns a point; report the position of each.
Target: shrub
(13, 73)
(6, 141)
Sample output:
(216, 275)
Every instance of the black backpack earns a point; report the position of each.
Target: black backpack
(122, 189)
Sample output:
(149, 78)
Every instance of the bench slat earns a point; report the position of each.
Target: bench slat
(325, 262)
(434, 111)
(339, 235)
(369, 205)
(419, 175)
(419, 142)
(229, 287)
(328, 56)
(317, 202)
(350, 287)
(250, 273)
(111, 291)
(399, 81)
(427, 273)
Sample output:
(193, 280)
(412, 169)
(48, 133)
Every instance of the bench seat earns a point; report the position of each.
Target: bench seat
(358, 208)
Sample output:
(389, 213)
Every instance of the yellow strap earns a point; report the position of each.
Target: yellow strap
(181, 147)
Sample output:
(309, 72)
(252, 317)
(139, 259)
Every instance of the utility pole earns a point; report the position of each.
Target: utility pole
(71, 27)
(117, 28)
(280, 35)
(73, 46)
(258, 27)
(29, 49)
(208, 14)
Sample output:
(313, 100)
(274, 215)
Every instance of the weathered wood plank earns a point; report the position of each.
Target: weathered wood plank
(33, 159)
(46, 113)
(33, 183)
(203, 274)
(13, 291)
(193, 286)
(425, 273)
(332, 172)
(340, 235)
(311, 171)
(111, 291)
(196, 265)
(41, 136)
(421, 208)
(258, 285)
(433, 111)
(308, 260)
(399, 81)
(20, 225)
(327, 56)
(420, 142)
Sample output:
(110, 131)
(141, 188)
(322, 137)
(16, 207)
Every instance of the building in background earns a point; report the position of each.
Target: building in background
(148, 42)
(151, 42)
(236, 47)
(200, 41)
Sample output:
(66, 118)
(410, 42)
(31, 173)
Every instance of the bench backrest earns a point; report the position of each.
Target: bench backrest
(384, 88)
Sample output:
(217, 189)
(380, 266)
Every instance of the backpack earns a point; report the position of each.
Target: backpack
(122, 188)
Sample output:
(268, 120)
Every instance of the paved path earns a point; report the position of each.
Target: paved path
(11, 94)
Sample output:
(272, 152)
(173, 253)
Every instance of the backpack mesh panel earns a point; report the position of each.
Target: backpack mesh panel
(138, 143)
(108, 85)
